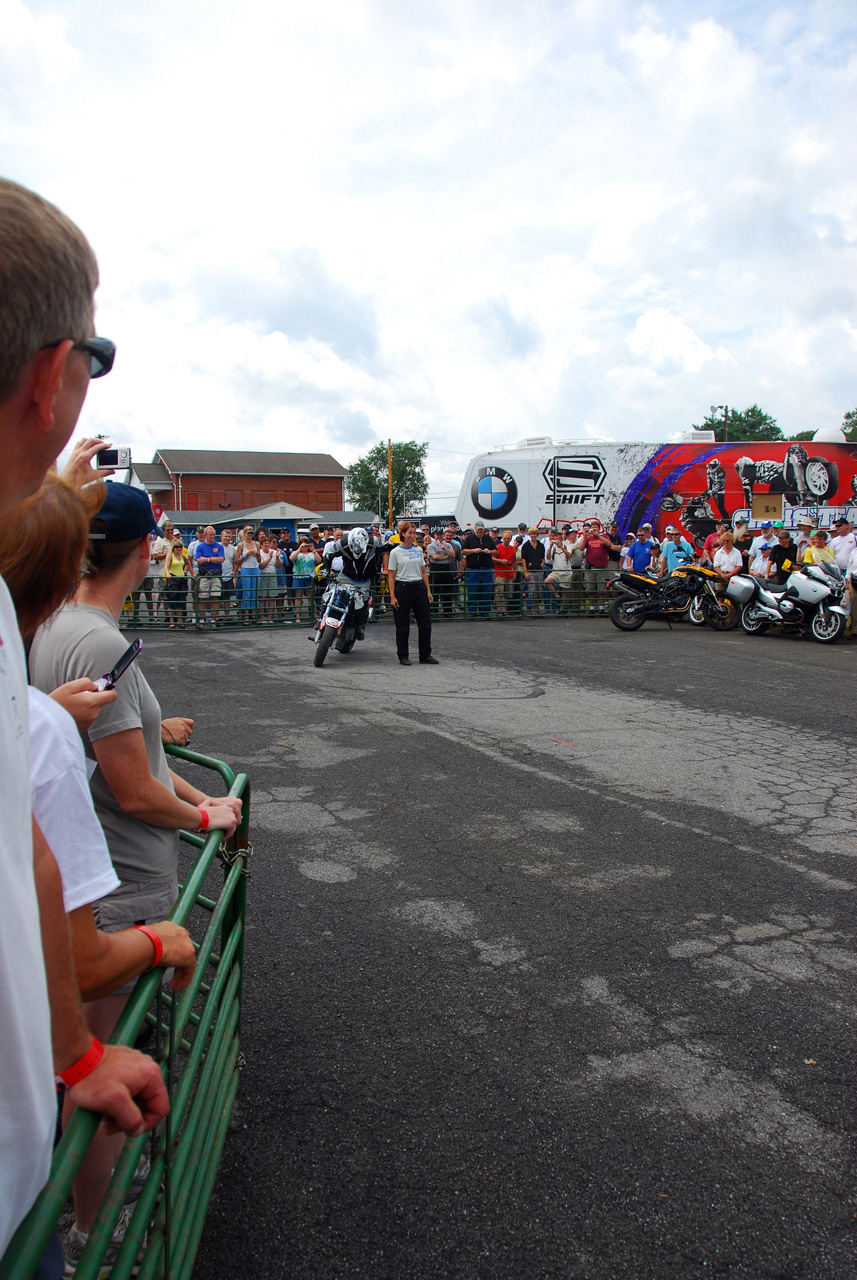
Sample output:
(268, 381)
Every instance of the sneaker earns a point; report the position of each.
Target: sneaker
(75, 1244)
(141, 1173)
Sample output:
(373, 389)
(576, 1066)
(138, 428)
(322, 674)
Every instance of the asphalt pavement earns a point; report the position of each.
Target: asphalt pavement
(550, 953)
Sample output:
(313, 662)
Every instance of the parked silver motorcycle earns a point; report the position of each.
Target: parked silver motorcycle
(811, 600)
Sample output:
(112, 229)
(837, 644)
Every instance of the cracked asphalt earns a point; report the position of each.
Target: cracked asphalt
(550, 953)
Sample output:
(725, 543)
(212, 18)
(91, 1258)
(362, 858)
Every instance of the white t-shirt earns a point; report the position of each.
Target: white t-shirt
(842, 547)
(336, 562)
(62, 804)
(763, 540)
(407, 563)
(728, 560)
(228, 567)
(27, 1092)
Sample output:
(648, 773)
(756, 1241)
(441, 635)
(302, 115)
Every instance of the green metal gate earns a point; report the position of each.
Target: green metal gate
(197, 1044)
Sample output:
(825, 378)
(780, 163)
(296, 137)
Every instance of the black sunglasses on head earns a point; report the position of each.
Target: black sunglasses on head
(101, 352)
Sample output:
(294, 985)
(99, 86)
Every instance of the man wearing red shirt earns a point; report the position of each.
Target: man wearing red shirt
(596, 551)
(504, 572)
(712, 542)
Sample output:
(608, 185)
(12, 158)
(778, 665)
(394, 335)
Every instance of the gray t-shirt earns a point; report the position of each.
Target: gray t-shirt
(228, 567)
(407, 563)
(81, 640)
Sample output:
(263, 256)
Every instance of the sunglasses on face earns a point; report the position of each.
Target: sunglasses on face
(101, 352)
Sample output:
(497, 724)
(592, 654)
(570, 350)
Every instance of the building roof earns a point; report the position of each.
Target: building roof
(269, 511)
(152, 475)
(246, 463)
(349, 517)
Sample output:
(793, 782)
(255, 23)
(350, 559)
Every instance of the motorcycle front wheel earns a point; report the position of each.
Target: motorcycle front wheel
(628, 613)
(720, 614)
(696, 614)
(753, 623)
(325, 640)
(826, 628)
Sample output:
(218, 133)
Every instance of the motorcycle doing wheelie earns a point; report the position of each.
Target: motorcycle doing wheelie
(689, 591)
(347, 598)
(811, 601)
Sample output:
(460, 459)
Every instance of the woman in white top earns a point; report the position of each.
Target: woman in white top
(269, 561)
(727, 559)
(249, 572)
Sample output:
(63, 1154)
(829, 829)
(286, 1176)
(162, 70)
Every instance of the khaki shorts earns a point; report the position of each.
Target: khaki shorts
(561, 578)
(209, 585)
(132, 903)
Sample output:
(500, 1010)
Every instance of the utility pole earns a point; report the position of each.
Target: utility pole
(715, 408)
(389, 483)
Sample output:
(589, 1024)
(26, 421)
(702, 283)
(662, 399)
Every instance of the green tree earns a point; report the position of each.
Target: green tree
(366, 479)
(748, 424)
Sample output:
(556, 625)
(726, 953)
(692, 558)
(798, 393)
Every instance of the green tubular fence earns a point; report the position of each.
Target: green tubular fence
(197, 1045)
(146, 611)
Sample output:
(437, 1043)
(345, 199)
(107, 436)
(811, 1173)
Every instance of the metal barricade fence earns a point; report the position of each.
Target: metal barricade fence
(197, 1045)
(454, 601)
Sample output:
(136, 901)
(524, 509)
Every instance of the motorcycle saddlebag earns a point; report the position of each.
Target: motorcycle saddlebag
(740, 589)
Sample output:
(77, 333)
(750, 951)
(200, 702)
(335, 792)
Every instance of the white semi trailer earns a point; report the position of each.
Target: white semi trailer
(692, 483)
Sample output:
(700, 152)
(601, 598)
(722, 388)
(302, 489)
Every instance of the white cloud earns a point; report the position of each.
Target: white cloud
(662, 338)
(461, 222)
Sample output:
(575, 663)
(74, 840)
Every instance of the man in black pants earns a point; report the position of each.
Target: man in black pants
(409, 589)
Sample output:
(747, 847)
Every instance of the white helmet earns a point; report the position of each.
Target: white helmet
(358, 541)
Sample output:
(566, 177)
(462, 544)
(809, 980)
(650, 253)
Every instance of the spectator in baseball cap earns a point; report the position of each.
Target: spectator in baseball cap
(125, 514)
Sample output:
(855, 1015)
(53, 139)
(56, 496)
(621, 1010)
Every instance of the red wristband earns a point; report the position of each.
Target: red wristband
(84, 1066)
(203, 819)
(155, 940)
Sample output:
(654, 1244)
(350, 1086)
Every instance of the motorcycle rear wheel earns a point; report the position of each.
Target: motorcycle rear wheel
(754, 626)
(696, 614)
(628, 613)
(325, 640)
(827, 629)
(348, 645)
(724, 618)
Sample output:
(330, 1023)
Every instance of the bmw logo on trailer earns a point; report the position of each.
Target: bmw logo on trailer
(493, 493)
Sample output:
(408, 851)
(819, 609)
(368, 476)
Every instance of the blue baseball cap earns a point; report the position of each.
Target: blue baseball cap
(127, 513)
(766, 524)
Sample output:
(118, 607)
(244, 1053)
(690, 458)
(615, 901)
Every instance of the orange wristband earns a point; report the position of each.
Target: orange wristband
(156, 942)
(84, 1066)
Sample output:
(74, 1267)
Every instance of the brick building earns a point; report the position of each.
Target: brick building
(227, 480)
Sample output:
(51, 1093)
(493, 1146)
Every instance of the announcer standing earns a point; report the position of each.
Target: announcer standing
(409, 589)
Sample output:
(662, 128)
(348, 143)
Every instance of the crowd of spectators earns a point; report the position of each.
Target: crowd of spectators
(269, 576)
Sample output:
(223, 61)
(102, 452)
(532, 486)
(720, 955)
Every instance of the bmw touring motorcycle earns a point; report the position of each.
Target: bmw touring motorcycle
(811, 600)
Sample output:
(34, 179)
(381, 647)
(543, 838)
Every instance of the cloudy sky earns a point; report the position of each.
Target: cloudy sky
(459, 221)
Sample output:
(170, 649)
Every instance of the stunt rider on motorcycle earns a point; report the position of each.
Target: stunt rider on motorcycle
(361, 560)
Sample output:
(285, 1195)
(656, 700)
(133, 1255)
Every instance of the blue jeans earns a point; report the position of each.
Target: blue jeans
(248, 587)
(480, 590)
